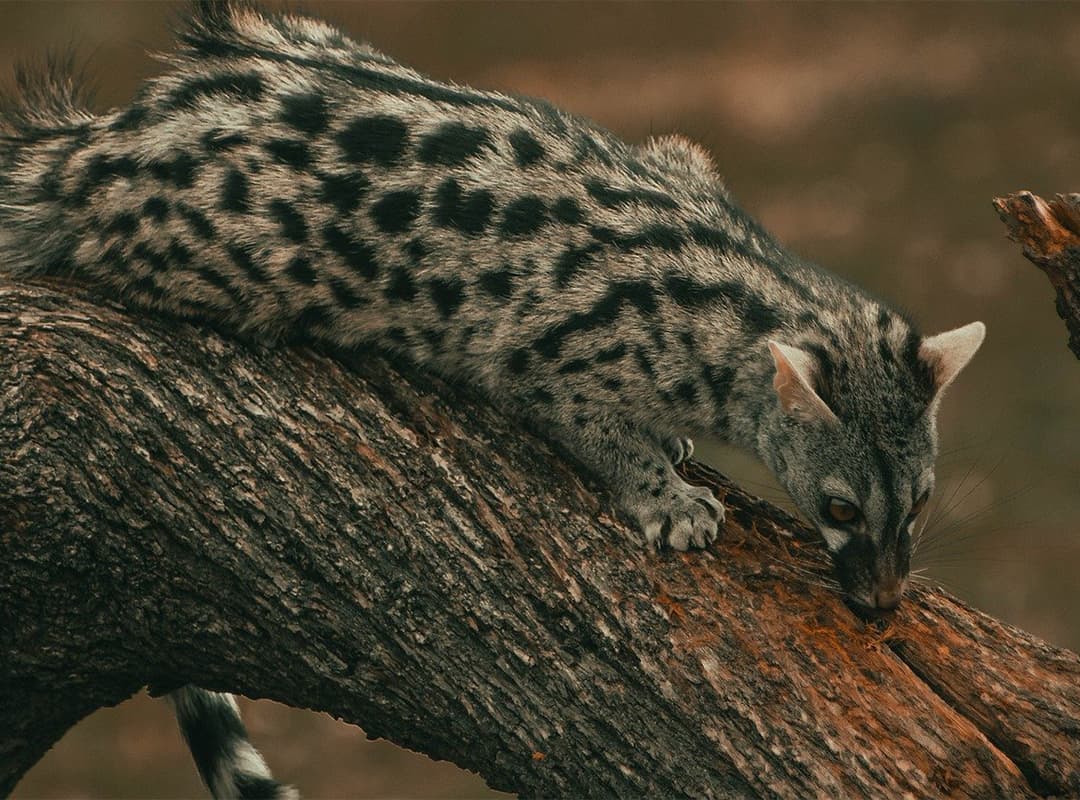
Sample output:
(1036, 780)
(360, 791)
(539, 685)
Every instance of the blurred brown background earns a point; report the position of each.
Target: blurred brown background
(870, 138)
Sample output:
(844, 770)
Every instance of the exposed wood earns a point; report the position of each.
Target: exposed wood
(367, 541)
(1050, 235)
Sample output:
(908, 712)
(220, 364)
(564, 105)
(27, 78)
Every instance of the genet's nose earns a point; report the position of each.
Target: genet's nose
(887, 595)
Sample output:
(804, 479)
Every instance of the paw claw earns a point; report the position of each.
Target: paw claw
(679, 449)
(685, 516)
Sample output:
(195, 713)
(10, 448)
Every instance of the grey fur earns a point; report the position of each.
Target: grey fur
(281, 180)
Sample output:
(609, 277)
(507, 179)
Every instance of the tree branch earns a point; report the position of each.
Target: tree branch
(1050, 235)
(370, 542)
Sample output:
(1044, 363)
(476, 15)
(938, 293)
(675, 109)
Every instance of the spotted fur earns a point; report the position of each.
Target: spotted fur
(281, 180)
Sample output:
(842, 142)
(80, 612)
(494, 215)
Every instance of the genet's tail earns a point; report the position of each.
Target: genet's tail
(229, 765)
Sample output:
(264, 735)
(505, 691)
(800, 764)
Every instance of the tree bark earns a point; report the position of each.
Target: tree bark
(1050, 235)
(356, 537)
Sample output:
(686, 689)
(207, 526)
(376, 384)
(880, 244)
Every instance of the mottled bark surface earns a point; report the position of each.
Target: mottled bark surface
(367, 541)
(1050, 235)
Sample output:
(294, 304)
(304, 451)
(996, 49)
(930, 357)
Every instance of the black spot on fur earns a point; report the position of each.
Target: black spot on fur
(356, 254)
(180, 171)
(612, 384)
(291, 152)
(345, 296)
(416, 250)
(691, 294)
(148, 286)
(573, 260)
(344, 192)
(778, 263)
(468, 213)
(143, 252)
(663, 237)
(215, 278)
(447, 294)
(434, 337)
(374, 140)
(611, 353)
(104, 169)
(887, 358)
(244, 257)
(713, 238)
(452, 144)
(719, 381)
(179, 254)
(643, 362)
(574, 365)
(604, 311)
(401, 286)
(524, 216)
(115, 257)
(306, 112)
(567, 211)
(130, 119)
(747, 304)
(397, 335)
(234, 191)
(156, 208)
(610, 197)
(518, 361)
(395, 212)
(498, 283)
(587, 148)
(300, 270)
(51, 187)
(759, 316)
(100, 171)
(543, 396)
(219, 141)
(124, 224)
(527, 150)
(884, 320)
(316, 315)
(922, 375)
(687, 391)
(293, 226)
(750, 306)
(242, 85)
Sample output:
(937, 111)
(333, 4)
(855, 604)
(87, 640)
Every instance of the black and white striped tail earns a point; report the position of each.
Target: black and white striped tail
(229, 765)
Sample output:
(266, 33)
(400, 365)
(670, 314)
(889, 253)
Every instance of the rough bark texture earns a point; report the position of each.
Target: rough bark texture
(1050, 235)
(367, 541)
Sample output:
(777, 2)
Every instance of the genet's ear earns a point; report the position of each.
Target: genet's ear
(794, 384)
(948, 353)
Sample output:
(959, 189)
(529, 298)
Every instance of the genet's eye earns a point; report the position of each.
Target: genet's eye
(920, 504)
(841, 511)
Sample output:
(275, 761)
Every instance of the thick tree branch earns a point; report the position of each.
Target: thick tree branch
(1050, 235)
(370, 542)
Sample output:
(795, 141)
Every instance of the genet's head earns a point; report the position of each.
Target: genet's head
(855, 446)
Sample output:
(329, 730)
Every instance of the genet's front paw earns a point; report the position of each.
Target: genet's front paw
(682, 516)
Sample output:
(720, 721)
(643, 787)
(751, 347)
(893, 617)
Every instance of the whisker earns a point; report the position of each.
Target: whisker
(941, 509)
(953, 505)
